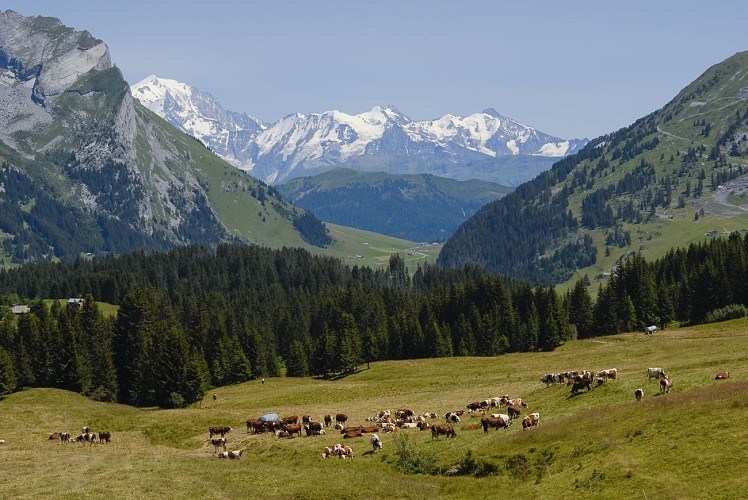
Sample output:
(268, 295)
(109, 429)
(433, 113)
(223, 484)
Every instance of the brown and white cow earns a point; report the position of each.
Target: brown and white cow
(218, 442)
(329, 451)
(666, 383)
(219, 429)
(639, 394)
(531, 420)
(345, 451)
(610, 373)
(53, 436)
(313, 429)
(722, 375)
(514, 411)
(442, 429)
(290, 419)
(496, 422)
(580, 382)
(292, 429)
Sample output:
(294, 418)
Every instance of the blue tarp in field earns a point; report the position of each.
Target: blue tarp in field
(269, 417)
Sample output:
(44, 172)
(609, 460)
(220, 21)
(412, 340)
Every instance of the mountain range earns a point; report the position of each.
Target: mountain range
(483, 145)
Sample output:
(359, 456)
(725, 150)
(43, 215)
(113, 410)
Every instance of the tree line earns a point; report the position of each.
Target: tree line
(195, 317)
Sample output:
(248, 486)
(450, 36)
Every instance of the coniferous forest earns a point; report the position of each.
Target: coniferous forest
(196, 317)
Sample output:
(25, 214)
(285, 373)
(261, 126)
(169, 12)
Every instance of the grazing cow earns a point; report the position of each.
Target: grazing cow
(517, 402)
(496, 422)
(452, 417)
(609, 373)
(514, 411)
(341, 418)
(88, 437)
(655, 373)
(65, 437)
(553, 378)
(639, 394)
(442, 429)
(650, 329)
(216, 442)
(531, 420)
(722, 375)
(474, 406)
(376, 443)
(666, 384)
(313, 428)
(254, 425)
(290, 420)
(292, 429)
(328, 420)
(219, 429)
(54, 435)
(104, 436)
(580, 383)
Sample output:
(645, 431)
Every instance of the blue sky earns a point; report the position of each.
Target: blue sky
(568, 68)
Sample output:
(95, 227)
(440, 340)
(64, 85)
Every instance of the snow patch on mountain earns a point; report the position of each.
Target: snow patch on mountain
(299, 143)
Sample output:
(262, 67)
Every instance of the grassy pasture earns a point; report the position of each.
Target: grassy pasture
(690, 443)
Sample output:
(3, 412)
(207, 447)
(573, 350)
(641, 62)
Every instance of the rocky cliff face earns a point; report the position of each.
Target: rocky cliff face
(49, 55)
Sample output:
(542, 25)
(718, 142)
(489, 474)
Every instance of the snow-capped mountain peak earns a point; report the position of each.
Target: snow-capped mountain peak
(299, 143)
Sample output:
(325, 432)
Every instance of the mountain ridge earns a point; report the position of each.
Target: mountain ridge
(382, 138)
(666, 180)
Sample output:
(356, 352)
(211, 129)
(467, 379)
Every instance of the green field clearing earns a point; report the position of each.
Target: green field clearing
(690, 443)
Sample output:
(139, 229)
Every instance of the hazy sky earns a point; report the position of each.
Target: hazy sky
(568, 68)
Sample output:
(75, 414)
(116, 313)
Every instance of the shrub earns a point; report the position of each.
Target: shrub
(409, 459)
(732, 311)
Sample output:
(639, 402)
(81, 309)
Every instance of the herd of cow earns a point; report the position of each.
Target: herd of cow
(86, 436)
(385, 421)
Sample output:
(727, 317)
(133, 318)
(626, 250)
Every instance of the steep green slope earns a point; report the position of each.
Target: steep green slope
(420, 207)
(667, 180)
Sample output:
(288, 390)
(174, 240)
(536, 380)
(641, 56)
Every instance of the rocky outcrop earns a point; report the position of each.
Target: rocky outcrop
(44, 51)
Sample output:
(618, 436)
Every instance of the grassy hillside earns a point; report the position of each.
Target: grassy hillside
(602, 444)
(365, 248)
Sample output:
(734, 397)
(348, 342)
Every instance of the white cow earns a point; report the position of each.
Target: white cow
(655, 373)
(375, 442)
(650, 329)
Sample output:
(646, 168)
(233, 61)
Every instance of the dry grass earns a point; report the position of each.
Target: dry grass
(597, 444)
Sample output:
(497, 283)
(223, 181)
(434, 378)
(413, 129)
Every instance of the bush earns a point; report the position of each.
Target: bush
(733, 311)
(411, 460)
(471, 466)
